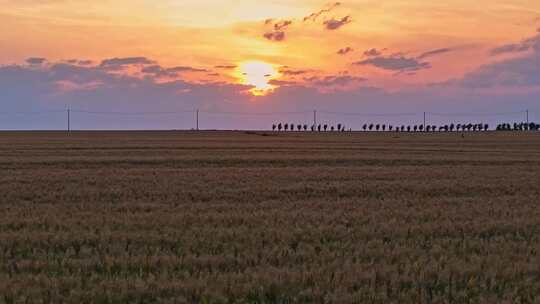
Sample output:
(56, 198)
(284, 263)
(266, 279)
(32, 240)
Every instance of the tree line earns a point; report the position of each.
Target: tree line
(305, 127)
(371, 127)
(518, 127)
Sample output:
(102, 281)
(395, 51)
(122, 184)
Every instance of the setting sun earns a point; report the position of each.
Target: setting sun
(258, 74)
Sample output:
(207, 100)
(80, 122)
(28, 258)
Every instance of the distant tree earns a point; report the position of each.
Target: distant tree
(421, 127)
(312, 128)
(390, 128)
(377, 127)
(305, 127)
(384, 127)
(332, 128)
(364, 127)
(458, 127)
(428, 128)
(408, 128)
(325, 127)
(299, 127)
(446, 128)
(452, 126)
(286, 127)
(274, 127)
(319, 128)
(402, 128)
(415, 128)
(280, 126)
(370, 127)
(433, 128)
(339, 127)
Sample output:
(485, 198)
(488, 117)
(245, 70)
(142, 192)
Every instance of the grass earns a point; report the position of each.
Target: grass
(236, 217)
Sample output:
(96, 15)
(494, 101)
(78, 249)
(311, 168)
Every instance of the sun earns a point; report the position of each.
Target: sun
(258, 74)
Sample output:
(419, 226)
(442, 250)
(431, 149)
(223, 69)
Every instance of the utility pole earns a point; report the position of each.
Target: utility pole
(68, 119)
(315, 118)
(424, 121)
(527, 116)
(197, 119)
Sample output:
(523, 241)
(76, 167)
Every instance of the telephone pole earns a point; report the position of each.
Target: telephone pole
(315, 118)
(197, 119)
(68, 119)
(527, 116)
(424, 121)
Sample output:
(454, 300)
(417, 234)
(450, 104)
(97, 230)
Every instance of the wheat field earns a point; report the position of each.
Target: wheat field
(255, 217)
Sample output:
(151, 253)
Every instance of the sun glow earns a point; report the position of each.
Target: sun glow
(259, 75)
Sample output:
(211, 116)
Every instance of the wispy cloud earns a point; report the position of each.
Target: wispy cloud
(36, 60)
(118, 62)
(334, 24)
(334, 80)
(226, 67)
(523, 46)
(289, 72)
(278, 29)
(282, 25)
(278, 32)
(275, 36)
(396, 63)
(373, 53)
(434, 53)
(345, 51)
(328, 9)
(160, 71)
(523, 71)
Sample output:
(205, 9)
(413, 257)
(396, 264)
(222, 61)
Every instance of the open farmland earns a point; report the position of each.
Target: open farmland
(224, 217)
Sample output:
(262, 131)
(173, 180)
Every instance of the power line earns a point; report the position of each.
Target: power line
(255, 113)
(370, 114)
(475, 114)
(32, 112)
(133, 113)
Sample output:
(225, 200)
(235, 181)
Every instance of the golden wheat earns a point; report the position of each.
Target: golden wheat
(223, 217)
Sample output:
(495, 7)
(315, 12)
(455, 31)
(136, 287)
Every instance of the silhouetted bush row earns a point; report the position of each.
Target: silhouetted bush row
(470, 127)
(518, 127)
(427, 128)
(300, 127)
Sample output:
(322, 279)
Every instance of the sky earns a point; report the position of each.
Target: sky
(119, 64)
